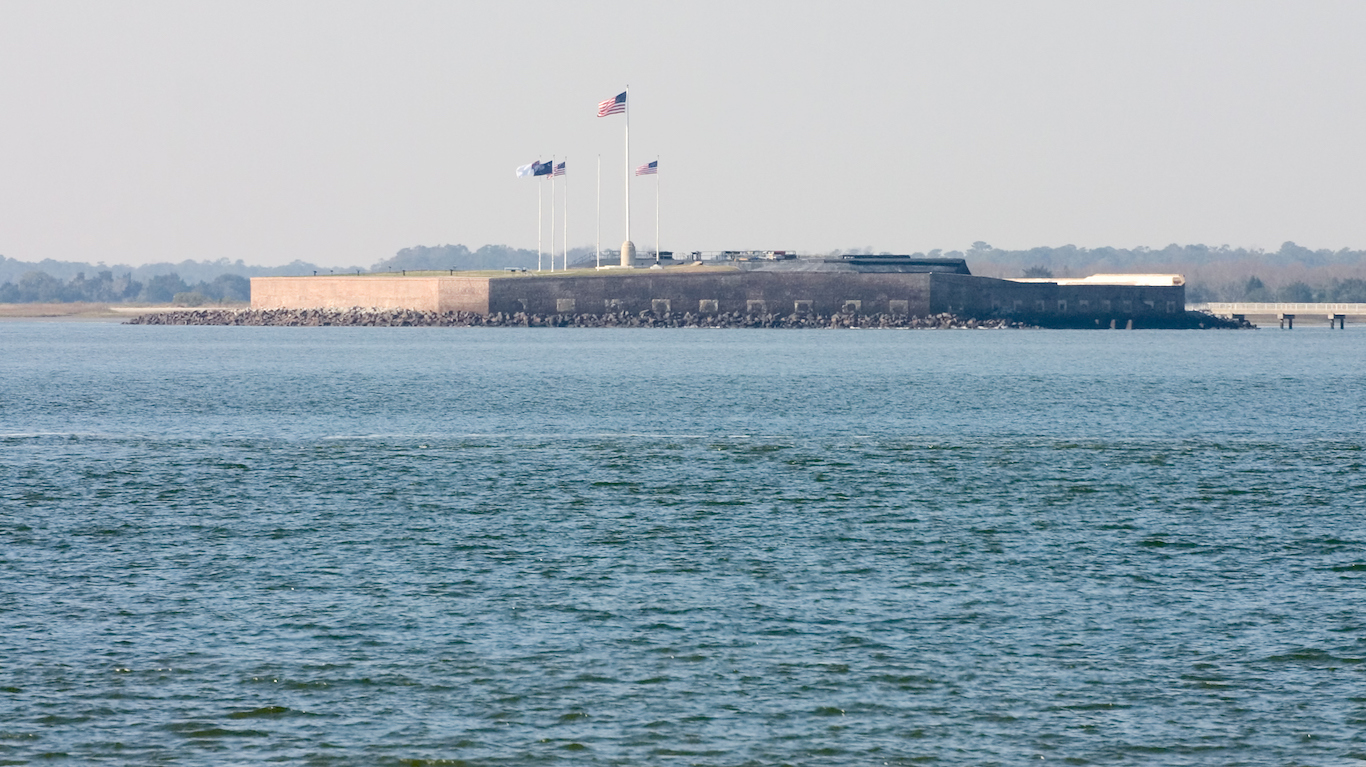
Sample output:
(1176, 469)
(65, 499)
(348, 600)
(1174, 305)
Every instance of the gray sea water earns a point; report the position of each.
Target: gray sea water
(409, 546)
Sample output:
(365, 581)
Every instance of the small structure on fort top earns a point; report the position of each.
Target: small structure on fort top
(1153, 280)
(859, 264)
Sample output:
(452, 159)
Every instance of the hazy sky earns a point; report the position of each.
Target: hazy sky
(339, 132)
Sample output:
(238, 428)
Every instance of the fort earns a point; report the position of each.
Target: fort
(893, 286)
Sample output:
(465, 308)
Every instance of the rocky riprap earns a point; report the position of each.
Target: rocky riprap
(414, 318)
(1205, 320)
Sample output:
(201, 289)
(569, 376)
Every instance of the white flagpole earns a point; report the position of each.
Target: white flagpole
(552, 212)
(628, 163)
(656, 209)
(540, 220)
(599, 246)
(566, 214)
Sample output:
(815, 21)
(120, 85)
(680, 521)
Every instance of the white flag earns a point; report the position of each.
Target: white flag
(526, 170)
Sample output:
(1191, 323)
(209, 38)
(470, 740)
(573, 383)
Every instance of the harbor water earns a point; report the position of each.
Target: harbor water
(500, 546)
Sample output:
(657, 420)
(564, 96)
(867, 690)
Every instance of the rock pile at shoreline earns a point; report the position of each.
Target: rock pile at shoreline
(413, 318)
(390, 318)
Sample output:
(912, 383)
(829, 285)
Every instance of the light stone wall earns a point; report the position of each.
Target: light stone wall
(432, 294)
(463, 294)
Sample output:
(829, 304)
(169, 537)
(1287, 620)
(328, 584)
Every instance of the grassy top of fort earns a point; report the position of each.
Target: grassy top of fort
(532, 273)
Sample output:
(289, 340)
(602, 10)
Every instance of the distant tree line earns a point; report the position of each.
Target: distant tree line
(459, 257)
(1291, 273)
(192, 272)
(1126, 259)
(106, 287)
(1350, 290)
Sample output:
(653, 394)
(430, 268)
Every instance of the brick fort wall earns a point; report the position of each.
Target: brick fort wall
(713, 292)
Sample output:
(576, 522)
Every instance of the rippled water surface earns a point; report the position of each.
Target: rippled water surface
(355, 546)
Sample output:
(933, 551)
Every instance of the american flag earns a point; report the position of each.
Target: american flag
(612, 106)
(648, 169)
(559, 170)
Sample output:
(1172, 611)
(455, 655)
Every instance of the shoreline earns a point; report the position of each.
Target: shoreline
(84, 311)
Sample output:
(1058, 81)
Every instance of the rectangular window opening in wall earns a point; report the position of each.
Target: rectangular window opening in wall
(1062, 306)
(564, 305)
(1128, 305)
(1105, 305)
(1083, 304)
(801, 307)
(1040, 306)
(706, 306)
(1171, 307)
(755, 306)
(896, 306)
(659, 306)
(852, 306)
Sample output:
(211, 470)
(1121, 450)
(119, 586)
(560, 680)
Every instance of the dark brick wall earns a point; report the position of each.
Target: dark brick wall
(744, 292)
(987, 296)
(828, 293)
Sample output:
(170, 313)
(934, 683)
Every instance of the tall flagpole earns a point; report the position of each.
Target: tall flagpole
(566, 214)
(552, 212)
(540, 220)
(656, 209)
(627, 249)
(599, 245)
